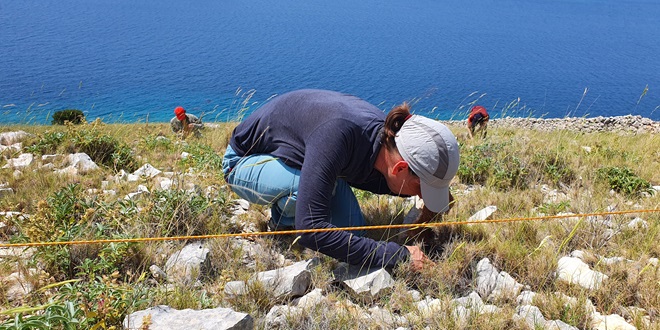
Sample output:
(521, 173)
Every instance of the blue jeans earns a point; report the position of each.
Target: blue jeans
(264, 179)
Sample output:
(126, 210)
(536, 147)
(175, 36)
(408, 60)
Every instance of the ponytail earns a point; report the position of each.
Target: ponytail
(395, 119)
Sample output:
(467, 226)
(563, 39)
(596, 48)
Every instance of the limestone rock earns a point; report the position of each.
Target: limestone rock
(147, 170)
(18, 284)
(531, 315)
(141, 190)
(79, 163)
(251, 251)
(383, 318)
(278, 315)
(364, 283)
(428, 307)
(610, 322)
(574, 271)
(9, 138)
(157, 273)
(310, 300)
(189, 264)
(6, 191)
(291, 281)
(163, 183)
(23, 160)
(483, 214)
(166, 318)
(16, 147)
(493, 284)
(47, 159)
(470, 305)
(637, 223)
(525, 298)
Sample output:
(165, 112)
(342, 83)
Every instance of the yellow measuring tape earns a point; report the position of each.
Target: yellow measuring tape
(318, 230)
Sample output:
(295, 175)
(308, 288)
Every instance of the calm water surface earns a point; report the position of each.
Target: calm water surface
(136, 60)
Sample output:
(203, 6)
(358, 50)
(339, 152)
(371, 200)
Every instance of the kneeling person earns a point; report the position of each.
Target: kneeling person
(303, 151)
(186, 123)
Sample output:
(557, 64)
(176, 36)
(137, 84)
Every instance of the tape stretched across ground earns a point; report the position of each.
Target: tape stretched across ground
(303, 231)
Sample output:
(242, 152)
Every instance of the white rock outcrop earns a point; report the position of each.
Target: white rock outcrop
(575, 271)
(291, 281)
(166, 318)
(494, 284)
(9, 138)
(22, 161)
(483, 214)
(189, 264)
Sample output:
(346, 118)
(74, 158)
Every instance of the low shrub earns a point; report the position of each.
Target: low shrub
(103, 149)
(177, 212)
(47, 144)
(554, 208)
(72, 116)
(508, 172)
(66, 216)
(101, 303)
(157, 142)
(487, 165)
(475, 164)
(624, 180)
(202, 157)
(553, 167)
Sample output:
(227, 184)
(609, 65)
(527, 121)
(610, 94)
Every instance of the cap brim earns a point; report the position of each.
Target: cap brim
(435, 199)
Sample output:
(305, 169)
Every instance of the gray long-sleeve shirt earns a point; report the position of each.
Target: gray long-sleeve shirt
(327, 135)
(177, 126)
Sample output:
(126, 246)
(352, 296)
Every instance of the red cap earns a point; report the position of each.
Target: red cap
(180, 113)
(478, 108)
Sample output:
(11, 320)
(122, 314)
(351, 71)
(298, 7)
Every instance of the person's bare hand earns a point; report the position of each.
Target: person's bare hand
(418, 260)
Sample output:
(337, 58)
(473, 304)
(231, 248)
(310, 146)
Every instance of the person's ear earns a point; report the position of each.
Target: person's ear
(399, 166)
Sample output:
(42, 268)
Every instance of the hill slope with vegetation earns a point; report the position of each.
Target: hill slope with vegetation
(48, 195)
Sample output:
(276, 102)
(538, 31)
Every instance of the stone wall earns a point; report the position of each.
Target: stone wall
(629, 124)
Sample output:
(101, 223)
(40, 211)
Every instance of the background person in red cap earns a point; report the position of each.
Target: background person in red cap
(304, 150)
(185, 123)
(477, 121)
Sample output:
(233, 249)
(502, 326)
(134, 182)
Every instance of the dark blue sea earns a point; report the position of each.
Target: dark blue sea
(134, 61)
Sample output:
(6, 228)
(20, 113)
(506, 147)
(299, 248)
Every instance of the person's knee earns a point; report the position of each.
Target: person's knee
(308, 240)
(287, 206)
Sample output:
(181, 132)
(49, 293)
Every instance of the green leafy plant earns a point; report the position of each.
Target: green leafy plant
(59, 218)
(553, 167)
(508, 172)
(72, 116)
(202, 157)
(157, 142)
(48, 143)
(54, 315)
(475, 164)
(100, 303)
(177, 212)
(624, 180)
(103, 149)
(67, 216)
(554, 208)
(485, 164)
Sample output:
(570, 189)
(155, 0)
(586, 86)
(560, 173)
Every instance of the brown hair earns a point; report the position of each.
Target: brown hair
(395, 119)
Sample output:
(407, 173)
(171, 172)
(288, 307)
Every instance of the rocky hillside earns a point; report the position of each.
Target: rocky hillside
(570, 272)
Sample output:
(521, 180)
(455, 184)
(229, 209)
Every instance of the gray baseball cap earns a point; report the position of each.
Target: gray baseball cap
(431, 151)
